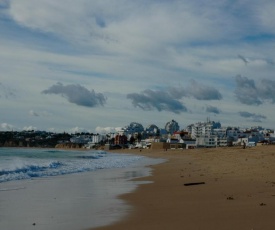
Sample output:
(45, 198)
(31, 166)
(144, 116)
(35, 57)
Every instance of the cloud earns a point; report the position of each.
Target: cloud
(4, 3)
(160, 100)
(203, 92)
(196, 90)
(267, 90)
(33, 113)
(212, 109)
(77, 94)
(252, 116)
(93, 41)
(6, 127)
(126, 26)
(169, 99)
(266, 16)
(99, 129)
(29, 128)
(39, 114)
(6, 92)
(245, 60)
(247, 92)
(78, 130)
(256, 61)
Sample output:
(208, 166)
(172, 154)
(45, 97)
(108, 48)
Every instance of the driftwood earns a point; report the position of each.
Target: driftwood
(193, 183)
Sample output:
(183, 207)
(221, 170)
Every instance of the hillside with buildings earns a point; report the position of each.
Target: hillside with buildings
(202, 134)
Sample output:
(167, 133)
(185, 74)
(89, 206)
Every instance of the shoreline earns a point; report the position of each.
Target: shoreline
(238, 190)
(52, 202)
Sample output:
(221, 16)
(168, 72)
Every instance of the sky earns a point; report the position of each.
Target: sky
(95, 66)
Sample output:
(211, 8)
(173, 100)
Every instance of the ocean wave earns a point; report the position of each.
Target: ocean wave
(31, 168)
(60, 163)
(27, 171)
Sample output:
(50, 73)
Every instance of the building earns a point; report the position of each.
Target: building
(207, 141)
(120, 140)
(181, 135)
(202, 129)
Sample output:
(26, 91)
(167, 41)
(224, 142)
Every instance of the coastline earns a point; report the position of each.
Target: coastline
(71, 201)
(238, 190)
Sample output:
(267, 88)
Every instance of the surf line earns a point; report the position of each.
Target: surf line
(10, 189)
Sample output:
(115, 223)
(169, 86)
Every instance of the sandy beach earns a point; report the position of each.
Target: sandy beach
(236, 190)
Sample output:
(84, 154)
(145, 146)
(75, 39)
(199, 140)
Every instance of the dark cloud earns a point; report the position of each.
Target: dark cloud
(203, 92)
(197, 91)
(160, 100)
(77, 94)
(252, 116)
(212, 109)
(267, 90)
(177, 92)
(247, 92)
(246, 61)
(243, 59)
(168, 99)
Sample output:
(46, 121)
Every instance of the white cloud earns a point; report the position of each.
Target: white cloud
(77, 130)
(265, 14)
(30, 128)
(7, 92)
(107, 129)
(33, 113)
(6, 127)
(125, 46)
(128, 28)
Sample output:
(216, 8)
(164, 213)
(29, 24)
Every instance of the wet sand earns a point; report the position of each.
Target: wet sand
(68, 202)
(238, 191)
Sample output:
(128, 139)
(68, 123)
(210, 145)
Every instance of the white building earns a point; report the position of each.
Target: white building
(222, 142)
(202, 129)
(80, 139)
(221, 133)
(96, 138)
(207, 141)
(84, 139)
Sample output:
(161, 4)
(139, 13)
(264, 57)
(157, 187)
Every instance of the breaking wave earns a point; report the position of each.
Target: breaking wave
(45, 164)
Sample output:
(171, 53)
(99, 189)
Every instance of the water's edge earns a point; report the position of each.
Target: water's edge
(74, 201)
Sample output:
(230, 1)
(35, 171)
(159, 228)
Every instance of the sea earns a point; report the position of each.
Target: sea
(66, 189)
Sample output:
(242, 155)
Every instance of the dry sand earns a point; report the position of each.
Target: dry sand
(239, 191)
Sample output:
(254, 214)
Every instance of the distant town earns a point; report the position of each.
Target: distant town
(199, 135)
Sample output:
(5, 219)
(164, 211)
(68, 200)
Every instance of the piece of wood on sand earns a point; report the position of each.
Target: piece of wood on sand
(193, 183)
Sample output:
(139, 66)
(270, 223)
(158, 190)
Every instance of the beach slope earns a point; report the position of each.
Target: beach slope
(219, 188)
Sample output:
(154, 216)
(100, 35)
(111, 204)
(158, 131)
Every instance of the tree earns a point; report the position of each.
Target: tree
(139, 137)
(132, 140)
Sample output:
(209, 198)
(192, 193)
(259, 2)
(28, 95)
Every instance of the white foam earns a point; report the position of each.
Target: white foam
(49, 163)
